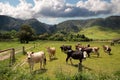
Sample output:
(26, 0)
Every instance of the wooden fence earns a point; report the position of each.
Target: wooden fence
(10, 53)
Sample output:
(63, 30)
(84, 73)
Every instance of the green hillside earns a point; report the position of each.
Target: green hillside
(97, 32)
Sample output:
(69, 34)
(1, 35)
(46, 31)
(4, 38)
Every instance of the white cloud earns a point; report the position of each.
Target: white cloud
(94, 5)
(22, 10)
(115, 6)
(103, 6)
(53, 9)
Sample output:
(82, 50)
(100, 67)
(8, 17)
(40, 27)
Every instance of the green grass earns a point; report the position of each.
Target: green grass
(11, 44)
(97, 32)
(107, 67)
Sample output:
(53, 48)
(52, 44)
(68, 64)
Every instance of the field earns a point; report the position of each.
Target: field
(97, 32)
(106, 67)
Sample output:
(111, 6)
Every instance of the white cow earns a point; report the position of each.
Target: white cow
(37, 57)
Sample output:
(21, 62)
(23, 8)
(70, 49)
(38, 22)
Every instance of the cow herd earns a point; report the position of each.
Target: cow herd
(80, 53)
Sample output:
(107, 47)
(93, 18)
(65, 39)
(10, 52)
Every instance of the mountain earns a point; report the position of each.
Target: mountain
(99, 28)
(109, 25)
(112, 22)
(8, 23)
(39, 27)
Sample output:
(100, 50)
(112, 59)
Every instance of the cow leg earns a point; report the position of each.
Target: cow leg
(80, 61)
(44, 63)
(98, 54)
(71, 61)
(54, 55)
(50, 57)
(67, 59)
(43, 66)
(88, 54)
(80, 66)
(109, 52)
(40, 65)
(31, 66)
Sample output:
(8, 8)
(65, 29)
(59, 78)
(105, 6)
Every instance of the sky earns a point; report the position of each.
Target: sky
(56, 11)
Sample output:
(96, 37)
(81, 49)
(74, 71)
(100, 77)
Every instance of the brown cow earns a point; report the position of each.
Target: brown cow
(88, 49)
(51, 51)
(107, 49)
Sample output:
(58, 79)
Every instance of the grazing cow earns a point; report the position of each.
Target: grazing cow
(37, 57)
(107, 49)
(64, 48)
(78, 55)
(51, 51)
(79, 47)
(95, 50)
(88, 49)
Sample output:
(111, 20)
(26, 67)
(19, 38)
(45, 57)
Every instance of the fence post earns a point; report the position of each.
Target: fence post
(12, 57)
(34, 45)
(23, 48)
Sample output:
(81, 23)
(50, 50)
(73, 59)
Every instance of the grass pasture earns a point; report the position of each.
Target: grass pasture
(106, 67)
(97, 32)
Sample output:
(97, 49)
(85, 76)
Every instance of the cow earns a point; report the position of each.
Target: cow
(65, 48)
(96, 50)
(88, 49)
(51, 51)
(107, 49)
(79, 47)
(78, 55)
(36, 57)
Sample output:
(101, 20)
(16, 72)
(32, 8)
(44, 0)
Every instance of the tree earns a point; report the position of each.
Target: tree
(26, 33)
(13, 34)
(5, 35)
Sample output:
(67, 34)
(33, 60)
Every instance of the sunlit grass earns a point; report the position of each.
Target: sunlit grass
(107, 64)
(96, 33)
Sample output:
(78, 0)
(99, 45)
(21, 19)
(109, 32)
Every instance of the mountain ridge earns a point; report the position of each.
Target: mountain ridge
(9, 23)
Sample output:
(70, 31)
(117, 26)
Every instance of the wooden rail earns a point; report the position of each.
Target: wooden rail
(11, 56)
(5, 50)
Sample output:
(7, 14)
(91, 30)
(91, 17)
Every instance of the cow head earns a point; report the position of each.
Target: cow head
(29, 55)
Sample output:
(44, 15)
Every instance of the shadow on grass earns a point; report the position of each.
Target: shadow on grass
(110, 54)
(54, 59)
(83, 67)
(95, 57)
(39, 71)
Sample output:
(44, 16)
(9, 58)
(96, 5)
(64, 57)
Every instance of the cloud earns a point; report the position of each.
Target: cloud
(22, 10)
(60, 8)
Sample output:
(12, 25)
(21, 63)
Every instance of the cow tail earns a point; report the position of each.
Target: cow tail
(44, 59)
